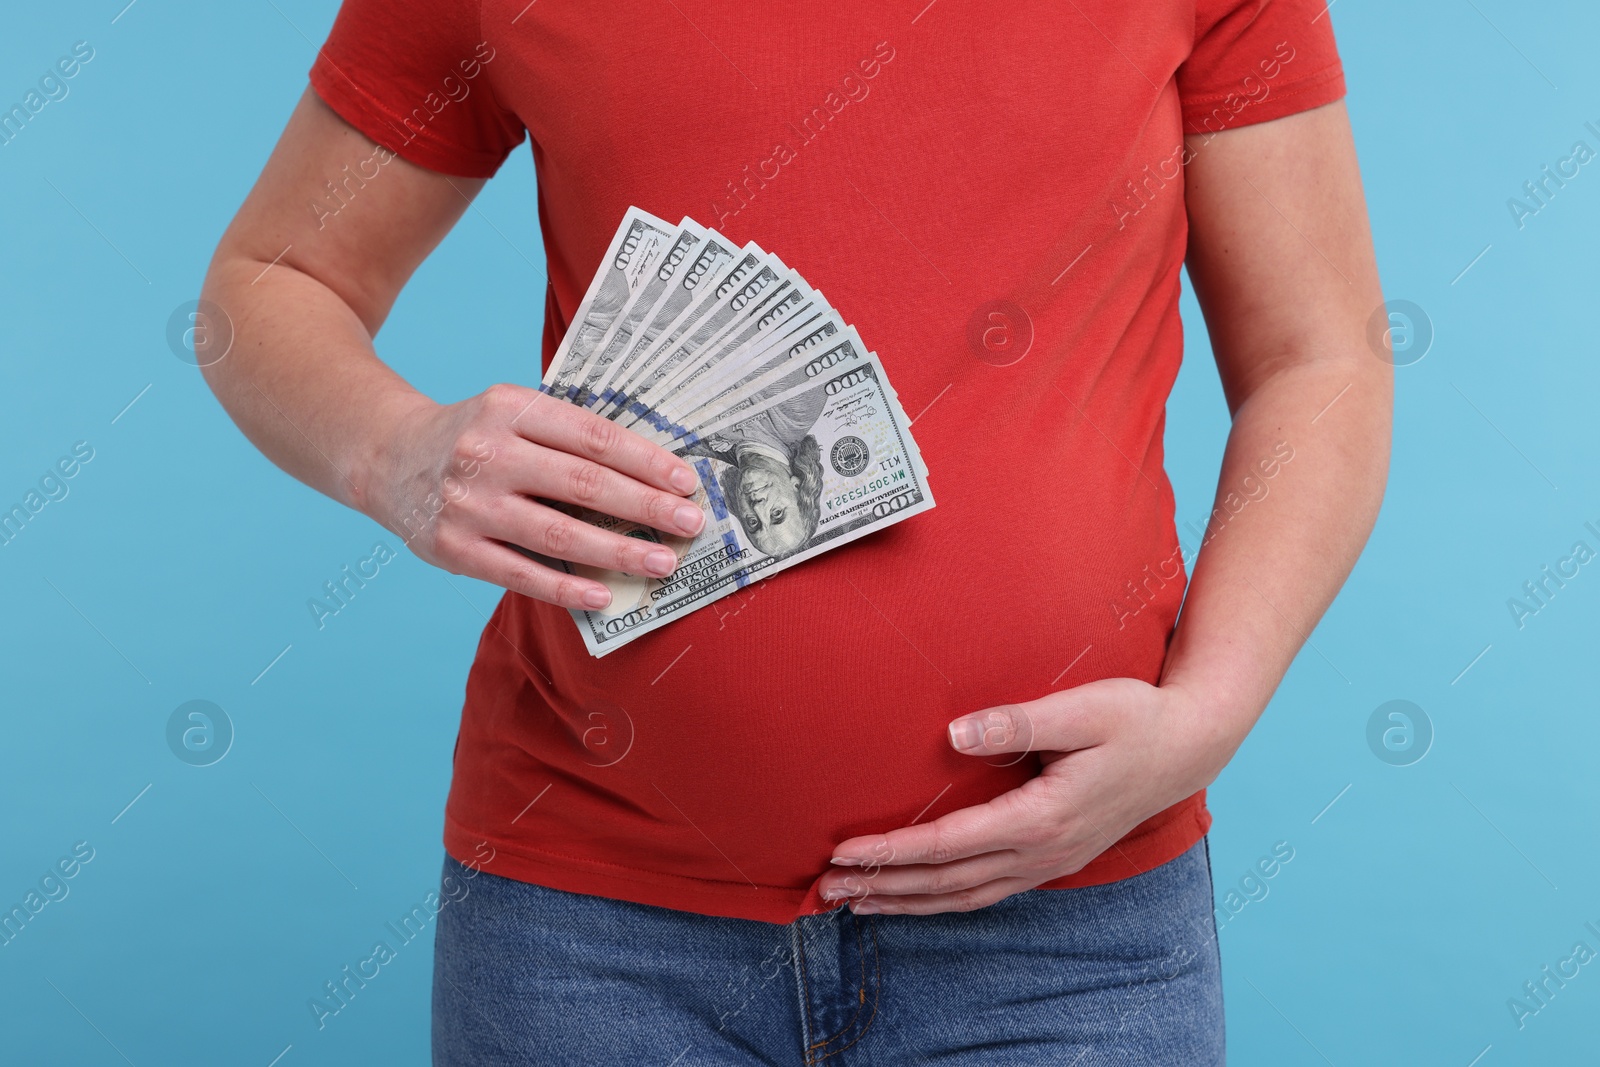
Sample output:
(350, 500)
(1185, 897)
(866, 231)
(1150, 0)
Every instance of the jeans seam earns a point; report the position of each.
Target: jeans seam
(861, 989)
(806, 1027)
(1211, 885)
(1216, 947)
(877, 990)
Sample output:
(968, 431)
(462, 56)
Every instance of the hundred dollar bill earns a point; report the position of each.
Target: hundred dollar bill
(753, 370)
(719, 391)
(784, 312)
(767, 322)
(797, 474)
(678, 255)
(715, 253)
(662, 334)
(793, 365)
(687, 329)
(740, 305)
(639, 242)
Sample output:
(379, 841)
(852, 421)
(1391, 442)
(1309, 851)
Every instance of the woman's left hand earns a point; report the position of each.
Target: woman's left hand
(1115, 752)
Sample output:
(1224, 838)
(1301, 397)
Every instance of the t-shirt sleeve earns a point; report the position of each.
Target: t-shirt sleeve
(1256, 60)
(414, 76)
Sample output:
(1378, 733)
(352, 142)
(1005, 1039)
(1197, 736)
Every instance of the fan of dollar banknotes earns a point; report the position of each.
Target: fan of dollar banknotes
(726, 357)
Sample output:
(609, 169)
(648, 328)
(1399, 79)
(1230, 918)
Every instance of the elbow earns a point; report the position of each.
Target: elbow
(203, 331)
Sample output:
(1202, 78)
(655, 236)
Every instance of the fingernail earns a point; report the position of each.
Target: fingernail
(683, 480)
(864, 908)
(835, 893)
(845, 861)
(597, 598)
(966, 734)
(661, 562)
(689, 518)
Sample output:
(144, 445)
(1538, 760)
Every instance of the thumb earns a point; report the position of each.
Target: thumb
(1061, 722)
(1007, 728)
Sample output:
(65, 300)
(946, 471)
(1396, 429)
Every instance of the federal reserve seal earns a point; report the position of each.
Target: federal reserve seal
(849, 456)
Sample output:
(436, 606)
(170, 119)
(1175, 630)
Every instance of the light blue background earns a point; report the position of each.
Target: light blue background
(180, 564)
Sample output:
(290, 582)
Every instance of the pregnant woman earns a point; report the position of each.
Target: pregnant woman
(937, 796)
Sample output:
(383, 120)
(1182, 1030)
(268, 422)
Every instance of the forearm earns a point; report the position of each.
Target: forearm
(301, 379)
(1271, 565)
(1281, 262)
(306, 287)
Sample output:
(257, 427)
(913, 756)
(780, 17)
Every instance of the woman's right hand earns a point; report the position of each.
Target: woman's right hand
(305, 294)
(460, 483)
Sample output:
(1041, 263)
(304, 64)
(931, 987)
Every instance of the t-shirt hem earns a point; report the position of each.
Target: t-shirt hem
(387, 130)
(1179, 828)
(1188, 822)
(1312, 91)
(595, 878)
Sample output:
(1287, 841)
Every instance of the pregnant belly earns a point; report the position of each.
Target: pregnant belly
(741, 745)
(721, 793)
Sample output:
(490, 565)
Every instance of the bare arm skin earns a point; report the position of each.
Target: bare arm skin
(1280, 255)
(458, 481)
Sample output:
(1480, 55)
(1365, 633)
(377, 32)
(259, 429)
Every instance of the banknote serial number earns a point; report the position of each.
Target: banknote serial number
(866, 489)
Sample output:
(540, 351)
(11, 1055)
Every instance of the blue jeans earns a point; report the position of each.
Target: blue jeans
(1125, 973)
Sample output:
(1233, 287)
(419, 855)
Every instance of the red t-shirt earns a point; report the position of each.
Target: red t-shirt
(993, 194)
